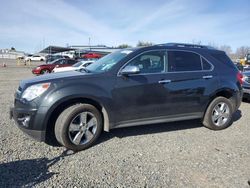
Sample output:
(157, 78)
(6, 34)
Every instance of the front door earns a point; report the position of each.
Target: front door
(141, 95)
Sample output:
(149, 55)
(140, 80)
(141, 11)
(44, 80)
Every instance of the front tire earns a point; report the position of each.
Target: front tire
(45, 71)
(78, 127)
(218, 114)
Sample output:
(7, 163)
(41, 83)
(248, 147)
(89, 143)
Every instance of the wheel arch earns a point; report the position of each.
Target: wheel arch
(57, 109)
(223, 92)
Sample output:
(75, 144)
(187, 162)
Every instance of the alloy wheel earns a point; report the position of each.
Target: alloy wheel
(220, 114)
(82, 128)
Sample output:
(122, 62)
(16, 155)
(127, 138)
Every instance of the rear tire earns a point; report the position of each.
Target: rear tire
(78, 127)
(219, 114)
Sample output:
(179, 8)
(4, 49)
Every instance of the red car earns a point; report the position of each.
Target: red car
(47, 68)
(92, 56)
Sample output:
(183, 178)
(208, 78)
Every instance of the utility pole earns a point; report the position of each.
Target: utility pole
(89, 44)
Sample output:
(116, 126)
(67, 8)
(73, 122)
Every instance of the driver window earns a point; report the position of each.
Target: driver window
(150, 62)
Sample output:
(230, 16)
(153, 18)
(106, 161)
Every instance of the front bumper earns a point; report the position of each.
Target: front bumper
(23, 118)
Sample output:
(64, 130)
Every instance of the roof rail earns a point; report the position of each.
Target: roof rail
(183, 45)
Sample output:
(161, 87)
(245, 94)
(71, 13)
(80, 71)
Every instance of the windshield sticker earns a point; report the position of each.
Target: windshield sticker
(126, 51)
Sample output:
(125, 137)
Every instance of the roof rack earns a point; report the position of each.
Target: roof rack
(183, 45)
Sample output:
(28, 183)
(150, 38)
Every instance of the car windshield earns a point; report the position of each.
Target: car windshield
(107, 62)
(77, 64)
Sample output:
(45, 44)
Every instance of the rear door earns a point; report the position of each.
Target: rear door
(190, 79)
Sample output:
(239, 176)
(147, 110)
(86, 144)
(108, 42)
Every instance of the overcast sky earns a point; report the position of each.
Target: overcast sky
(30, 25)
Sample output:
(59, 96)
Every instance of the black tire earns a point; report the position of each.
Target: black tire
(208, 120)
(45, 71)
(63, 123)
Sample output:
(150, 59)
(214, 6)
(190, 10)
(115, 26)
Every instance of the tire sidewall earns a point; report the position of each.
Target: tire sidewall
(210, 111)
(65, 127)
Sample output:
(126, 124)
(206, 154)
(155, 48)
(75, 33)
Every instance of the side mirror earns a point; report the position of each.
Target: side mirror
(130, 69)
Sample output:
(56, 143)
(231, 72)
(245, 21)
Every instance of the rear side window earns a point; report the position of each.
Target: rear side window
(179, 61)
(206, 65)
(223, 58)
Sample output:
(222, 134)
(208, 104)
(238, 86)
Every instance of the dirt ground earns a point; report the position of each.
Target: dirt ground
(180, 154)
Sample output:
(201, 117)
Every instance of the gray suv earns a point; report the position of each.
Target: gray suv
(137, 86)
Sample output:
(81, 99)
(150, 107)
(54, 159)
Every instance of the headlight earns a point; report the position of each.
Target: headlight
(35, 91)
(244, 78)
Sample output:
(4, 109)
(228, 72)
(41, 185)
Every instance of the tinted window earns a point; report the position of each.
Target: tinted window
(223, 58)
(71, 62)
(183, 61)
(150, 62)
(206, 65)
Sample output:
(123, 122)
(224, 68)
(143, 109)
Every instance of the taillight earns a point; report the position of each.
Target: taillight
(240, 77)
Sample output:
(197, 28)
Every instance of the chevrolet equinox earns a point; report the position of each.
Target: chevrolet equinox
(137, 86)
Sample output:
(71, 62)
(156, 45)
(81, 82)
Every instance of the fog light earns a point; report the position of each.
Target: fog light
(24, 121)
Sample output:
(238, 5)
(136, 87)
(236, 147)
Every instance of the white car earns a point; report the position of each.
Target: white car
(76, 66)
(34, 58)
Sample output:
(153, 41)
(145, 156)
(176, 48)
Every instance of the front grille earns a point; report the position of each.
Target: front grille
(247, 79)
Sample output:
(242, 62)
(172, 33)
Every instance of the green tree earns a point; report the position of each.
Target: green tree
(242, 51)
(143, 43)
(124, 46)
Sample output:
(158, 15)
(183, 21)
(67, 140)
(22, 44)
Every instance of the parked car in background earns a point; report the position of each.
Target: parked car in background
(47, 68)
(246, 68)
(34, 58)
(71, 54)
(137, 86)
(77, 66)
(88, 59)
(92, 55)
(246, 85)
(50, 58)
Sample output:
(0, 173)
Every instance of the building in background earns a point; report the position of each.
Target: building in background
(11, 54)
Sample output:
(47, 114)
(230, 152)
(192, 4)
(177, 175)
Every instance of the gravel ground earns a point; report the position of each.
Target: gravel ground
(181, 154)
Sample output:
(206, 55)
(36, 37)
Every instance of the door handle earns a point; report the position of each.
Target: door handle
(164, 81)
(207, 77)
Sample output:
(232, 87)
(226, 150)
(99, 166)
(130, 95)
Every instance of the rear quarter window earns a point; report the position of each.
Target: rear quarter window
(223, 58)
(206, 65)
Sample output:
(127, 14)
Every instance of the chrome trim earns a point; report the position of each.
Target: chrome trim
(201, 56)
(164, 81)
(207, 77)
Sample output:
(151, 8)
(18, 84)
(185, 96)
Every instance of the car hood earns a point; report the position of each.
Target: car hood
(46, 65)
(52, 77)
